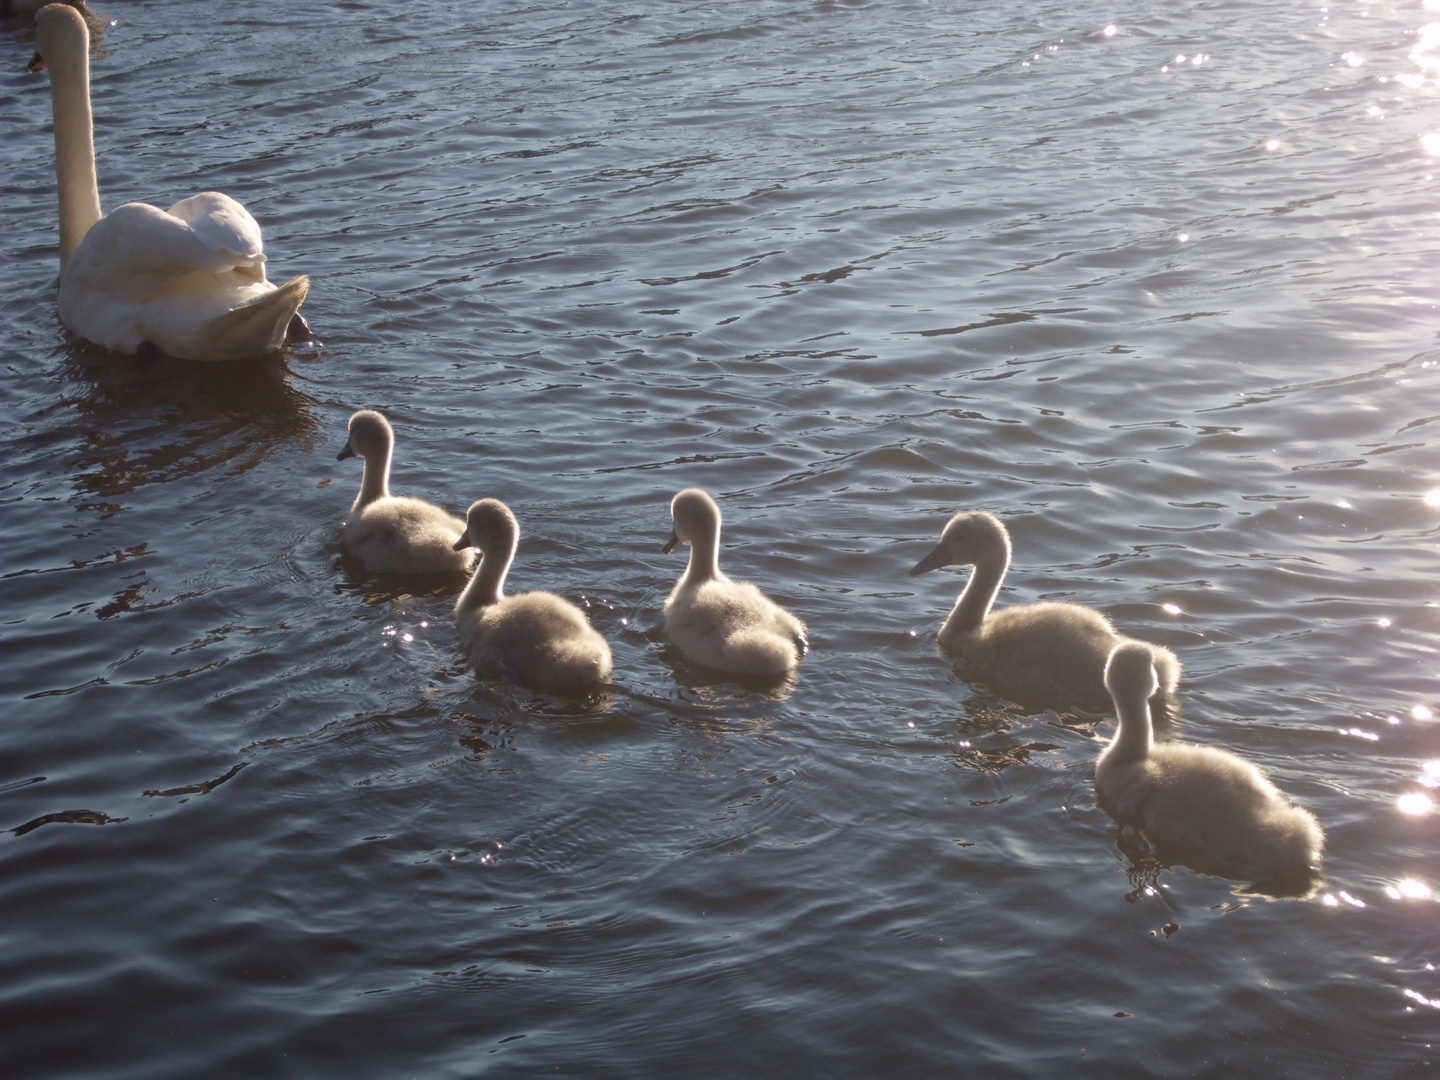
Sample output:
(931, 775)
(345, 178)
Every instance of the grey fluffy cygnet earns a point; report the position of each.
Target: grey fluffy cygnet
(535, 639)
(727, 625)
(393, 533)
(1198, 805)
(1051, 653)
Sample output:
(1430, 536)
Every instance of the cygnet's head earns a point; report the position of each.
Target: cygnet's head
(489, 526)
(696, 516)
(60, 35)
(1130, 672)
(370, 436)
(968, 538)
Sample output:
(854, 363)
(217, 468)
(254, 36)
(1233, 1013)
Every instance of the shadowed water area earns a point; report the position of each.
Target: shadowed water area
(1162, 298)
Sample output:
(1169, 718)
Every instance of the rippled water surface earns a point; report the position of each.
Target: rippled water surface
(1163, 297)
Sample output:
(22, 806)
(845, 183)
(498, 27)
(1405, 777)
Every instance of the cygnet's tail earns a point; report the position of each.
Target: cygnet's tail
(259, 326)
(759, 652)
(578, 664)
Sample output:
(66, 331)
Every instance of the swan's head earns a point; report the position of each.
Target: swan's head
(967, 539)
(489, 526)
(61, 36)
(370, 436)
(1130, 672)
(696, 517)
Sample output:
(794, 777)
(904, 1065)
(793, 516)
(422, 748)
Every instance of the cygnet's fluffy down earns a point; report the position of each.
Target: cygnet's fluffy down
(1204, 807)
(390, 533)
(1050, 653)
(535, 639)
(727, 625)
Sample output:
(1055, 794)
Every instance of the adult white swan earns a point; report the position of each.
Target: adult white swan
(1200, 806)
(1051, 653)
(188, 282)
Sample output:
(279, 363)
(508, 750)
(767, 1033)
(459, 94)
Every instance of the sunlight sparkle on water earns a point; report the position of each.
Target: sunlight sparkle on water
(1414, 802)
(1172, 609)
(1184, 238)
(1272, 145)
(1383, 621)
(1432, 767)
(1411, 889)
(1354, 59)
(1421, 712)
(1432, 497)
(1111, 30)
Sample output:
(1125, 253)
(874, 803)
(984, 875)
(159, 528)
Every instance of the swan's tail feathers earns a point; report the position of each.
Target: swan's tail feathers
(259, 326)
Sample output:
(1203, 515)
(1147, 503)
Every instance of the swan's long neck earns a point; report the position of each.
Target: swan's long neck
(74, 142)
(375, 484)
(704, 558)
(1134, 736)
(487, 584)
(974, 603)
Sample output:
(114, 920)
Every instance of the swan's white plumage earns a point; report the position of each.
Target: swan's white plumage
(535, 639)
(1197, 805)
(190, 281)
(1051, 653)
(727, 625)
(390, 533)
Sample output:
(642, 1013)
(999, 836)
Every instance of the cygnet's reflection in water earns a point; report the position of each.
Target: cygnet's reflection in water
(147, 422)
(707, 683)
(1199, 806)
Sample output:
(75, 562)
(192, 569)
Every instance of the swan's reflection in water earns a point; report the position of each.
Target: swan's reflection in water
(1149, 860)
(142, 423)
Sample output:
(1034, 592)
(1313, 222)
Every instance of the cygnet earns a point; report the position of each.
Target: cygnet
(1051, 653)
(390, 533)
(1198, 805)
(535, 639)
(727, 625)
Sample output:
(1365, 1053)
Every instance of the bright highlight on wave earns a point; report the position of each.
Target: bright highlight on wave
(1432, 497)
(1409, 889)
(1421, 712)
(1414, 802)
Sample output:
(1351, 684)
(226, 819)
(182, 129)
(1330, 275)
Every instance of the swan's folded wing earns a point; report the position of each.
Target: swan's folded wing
(222, 224)
(143, 240)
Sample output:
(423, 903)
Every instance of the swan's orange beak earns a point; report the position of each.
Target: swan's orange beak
(37, 62)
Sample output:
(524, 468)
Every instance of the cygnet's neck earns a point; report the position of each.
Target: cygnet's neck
(1134, 736)
(704, 562)
(487, 584)
(69, 67)
(974, 603)
(375, 484)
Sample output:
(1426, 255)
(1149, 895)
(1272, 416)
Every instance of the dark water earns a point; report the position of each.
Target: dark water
(851, 267)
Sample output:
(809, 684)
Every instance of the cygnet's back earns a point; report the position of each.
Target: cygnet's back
(389, 533)
(1198, 805)
(1050, 653)
(727, 625)
(535, 639)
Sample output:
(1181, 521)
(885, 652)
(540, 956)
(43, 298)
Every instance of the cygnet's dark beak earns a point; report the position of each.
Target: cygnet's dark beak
(934, 561)
(464, 541)
(37, 62)
(346, 453)
(671, 544)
